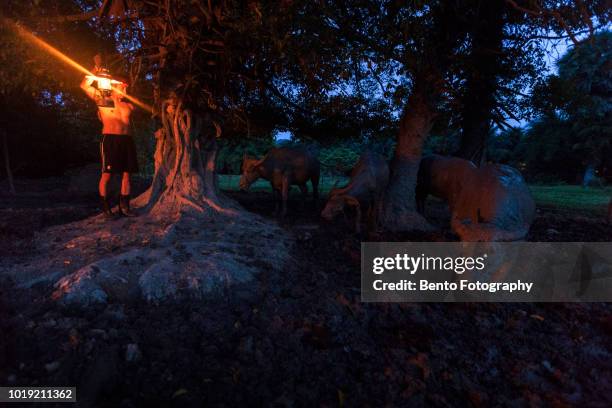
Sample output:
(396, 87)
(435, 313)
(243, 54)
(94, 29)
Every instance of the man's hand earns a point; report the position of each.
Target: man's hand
(89, 85)
(97, 63)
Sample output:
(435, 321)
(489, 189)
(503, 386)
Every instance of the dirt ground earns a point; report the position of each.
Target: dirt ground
(306, 339)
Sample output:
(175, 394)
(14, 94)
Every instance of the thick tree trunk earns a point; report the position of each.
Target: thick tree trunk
(481, 84)
(185, 176)
(399, 211)
(475, 134)
(7, 163)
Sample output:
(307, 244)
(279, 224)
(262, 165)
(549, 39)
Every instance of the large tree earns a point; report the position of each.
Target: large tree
(399, 55)
(408, 49)
(220, 67)
(441, 32)
(573, 130)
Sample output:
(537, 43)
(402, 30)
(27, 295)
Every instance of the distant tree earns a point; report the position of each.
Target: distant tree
(577, 103)
(504, 60)
(503, 147)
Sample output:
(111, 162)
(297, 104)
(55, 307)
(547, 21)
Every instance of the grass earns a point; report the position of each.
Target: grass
(567, 197)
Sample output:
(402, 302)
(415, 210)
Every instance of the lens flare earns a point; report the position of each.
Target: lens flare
(33, 39)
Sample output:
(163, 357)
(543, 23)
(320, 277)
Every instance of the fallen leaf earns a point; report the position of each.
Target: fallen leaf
(179, 392)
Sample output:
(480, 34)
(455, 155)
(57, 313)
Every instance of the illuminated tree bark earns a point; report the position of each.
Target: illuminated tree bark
(434, 57)
(185, 178)
(417, 120)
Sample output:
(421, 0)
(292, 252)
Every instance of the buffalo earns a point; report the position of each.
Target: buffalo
(283, 167)
(490, 203)
(369, 179)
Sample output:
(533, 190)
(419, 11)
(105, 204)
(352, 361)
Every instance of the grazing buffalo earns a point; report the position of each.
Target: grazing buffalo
(283, 167)
(490, 203)
(369, 179)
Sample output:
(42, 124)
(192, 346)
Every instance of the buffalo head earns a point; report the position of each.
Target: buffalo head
(250, 171)
(336, 203)
(333, 207)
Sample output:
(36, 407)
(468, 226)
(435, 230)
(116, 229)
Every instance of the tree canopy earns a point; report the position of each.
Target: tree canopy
(328, 71)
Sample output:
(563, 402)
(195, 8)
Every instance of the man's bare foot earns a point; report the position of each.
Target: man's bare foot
(106, 209)
(124, 206)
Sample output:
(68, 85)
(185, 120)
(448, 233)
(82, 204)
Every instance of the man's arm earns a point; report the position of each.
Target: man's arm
(88, 84)
(88, 87)
(126, 104)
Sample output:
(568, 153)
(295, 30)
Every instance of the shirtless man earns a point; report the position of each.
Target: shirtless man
(117, 149)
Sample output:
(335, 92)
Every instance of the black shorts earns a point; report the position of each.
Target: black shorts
(118, 154)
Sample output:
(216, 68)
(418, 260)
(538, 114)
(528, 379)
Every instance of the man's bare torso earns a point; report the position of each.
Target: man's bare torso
(116, 120)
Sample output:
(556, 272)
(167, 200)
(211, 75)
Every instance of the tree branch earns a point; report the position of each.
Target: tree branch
(585, 16)
(551, 13)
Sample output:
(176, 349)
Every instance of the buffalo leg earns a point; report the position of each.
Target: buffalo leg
(304, 190)
(376, 207)
(420, 197)
(372, 217)
(354, 204)
(315, 190)
(277, 198)
(379, 208)
(357, 219)
(285, 195)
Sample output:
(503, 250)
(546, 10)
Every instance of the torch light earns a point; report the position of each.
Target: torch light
(103, 81)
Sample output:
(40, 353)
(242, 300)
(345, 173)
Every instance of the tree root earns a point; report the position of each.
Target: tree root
(202, 252)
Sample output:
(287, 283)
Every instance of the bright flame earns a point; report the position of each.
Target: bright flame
(104, 82)
(28, 36)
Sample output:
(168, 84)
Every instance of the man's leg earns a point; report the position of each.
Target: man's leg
(125, 184)
(103, 185)
(103, 189)
(124, 199)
